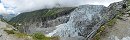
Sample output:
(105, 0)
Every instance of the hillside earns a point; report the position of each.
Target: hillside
(81, 22)
(120, 28)
(4, 35)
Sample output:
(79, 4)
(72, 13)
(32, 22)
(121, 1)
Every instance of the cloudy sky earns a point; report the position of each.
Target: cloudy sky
(2, 10)
(18, 6)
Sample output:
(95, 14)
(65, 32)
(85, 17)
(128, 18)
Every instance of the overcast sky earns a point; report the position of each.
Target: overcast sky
(2, 10)
(16, 6)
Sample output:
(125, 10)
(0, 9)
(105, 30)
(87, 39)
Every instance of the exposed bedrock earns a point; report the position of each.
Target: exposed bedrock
(80, 22)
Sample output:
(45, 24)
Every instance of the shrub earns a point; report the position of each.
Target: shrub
(10, 31)
(111, 22)
(40, 36)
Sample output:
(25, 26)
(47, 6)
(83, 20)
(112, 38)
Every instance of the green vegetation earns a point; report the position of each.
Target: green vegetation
(18, 34)
(102, 30)
(21, 35)
(128, 1)
(35, 36)
(39, 16)
(45, 14)
(14, 24)
(36, 16)
(111, 22)
(10, 31)
(40, 36)
(1, 19)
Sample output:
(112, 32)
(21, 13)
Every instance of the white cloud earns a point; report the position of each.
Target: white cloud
(31, 5)
(2, 9)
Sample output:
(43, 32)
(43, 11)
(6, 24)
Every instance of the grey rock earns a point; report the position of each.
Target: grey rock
(82, 21)
(86, 19)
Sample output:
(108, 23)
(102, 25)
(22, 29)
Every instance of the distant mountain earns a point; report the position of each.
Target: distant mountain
(1, 16)
(7, 16)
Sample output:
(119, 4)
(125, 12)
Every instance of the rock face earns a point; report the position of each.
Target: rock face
(41, 20)
(86, 19)
(81, 19)
(82, 22)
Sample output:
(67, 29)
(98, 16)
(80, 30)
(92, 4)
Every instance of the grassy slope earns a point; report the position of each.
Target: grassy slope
(40, 15)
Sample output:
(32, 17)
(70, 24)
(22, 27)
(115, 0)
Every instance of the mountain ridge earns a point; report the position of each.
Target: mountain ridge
(73, 24)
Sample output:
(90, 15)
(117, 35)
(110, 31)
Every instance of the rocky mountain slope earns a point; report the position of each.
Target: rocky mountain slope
(120, 29)
(4, 35)
(40, 19)
(77, 22)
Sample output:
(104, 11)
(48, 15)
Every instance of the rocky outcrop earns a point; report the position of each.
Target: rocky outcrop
(4, 35)
(85, 20)
(82, 22)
